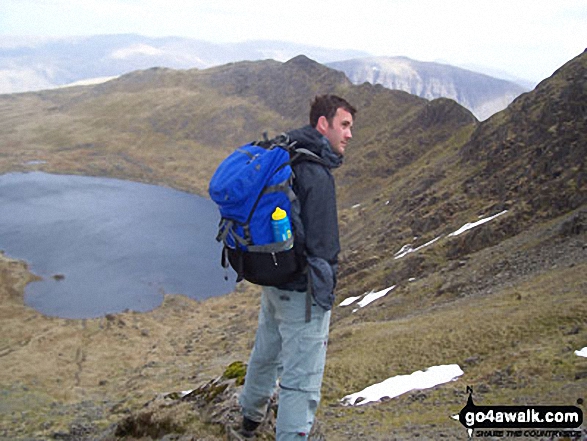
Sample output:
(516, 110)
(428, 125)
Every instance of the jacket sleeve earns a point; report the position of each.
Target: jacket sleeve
(318, 213)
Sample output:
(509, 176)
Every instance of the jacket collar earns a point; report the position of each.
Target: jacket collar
(310, 138)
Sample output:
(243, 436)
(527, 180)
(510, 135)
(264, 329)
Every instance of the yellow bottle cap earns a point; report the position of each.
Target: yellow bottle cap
(278, 214)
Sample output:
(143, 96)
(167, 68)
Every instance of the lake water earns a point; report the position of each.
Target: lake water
(105, 245)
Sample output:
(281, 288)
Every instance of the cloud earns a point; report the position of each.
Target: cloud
(136, 49)
(527, 38)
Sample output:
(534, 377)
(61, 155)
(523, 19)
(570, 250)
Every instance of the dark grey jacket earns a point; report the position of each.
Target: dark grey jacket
(317, 236)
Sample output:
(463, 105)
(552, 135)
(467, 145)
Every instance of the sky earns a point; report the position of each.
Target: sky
(528, 39)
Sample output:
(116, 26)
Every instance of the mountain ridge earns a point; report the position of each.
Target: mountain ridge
(59, 62)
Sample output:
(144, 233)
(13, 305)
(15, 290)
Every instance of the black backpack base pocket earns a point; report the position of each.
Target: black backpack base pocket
(264, 268)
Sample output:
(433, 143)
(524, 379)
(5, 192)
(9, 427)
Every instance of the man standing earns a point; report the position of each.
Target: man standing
(294, 319)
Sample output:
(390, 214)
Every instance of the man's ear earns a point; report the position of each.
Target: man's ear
(322, 125)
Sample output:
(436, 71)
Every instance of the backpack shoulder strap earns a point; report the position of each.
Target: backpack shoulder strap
(296, 154)
(302, 154)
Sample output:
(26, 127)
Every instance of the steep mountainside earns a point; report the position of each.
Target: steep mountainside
(534, 152)
(478, 229)
(481, 94)
(529, 159)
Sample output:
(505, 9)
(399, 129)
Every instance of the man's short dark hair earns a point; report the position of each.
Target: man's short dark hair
(327, 105)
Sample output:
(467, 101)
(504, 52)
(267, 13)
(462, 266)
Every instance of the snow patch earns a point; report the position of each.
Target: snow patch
(349, 301)
(582, 352)
(407, 249)
(400, 384)
(367, 298)
(470, 225)
(372, 296)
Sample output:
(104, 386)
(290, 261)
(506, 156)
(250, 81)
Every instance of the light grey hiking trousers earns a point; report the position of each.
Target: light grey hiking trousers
(288, 347)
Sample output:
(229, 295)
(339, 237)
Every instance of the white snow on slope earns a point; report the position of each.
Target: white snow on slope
(407, 249)
(469, 225)
(372, 296)
(368, 298)
(349, 301)
(582, 352)
(400, 384)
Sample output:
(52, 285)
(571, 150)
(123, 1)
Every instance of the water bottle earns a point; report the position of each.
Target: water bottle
(281, 226)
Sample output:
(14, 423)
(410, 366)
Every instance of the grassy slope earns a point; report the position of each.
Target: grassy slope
(514, 338)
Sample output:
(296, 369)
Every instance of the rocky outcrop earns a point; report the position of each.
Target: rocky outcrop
(214, 404)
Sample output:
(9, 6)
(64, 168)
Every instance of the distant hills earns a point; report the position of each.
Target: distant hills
(50, 63)
(35, 65)
(481, 94)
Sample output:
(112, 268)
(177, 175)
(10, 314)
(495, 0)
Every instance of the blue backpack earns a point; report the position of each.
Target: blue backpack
(247, 187)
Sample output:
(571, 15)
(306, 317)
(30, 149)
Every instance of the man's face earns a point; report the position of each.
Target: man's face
(339, 132)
